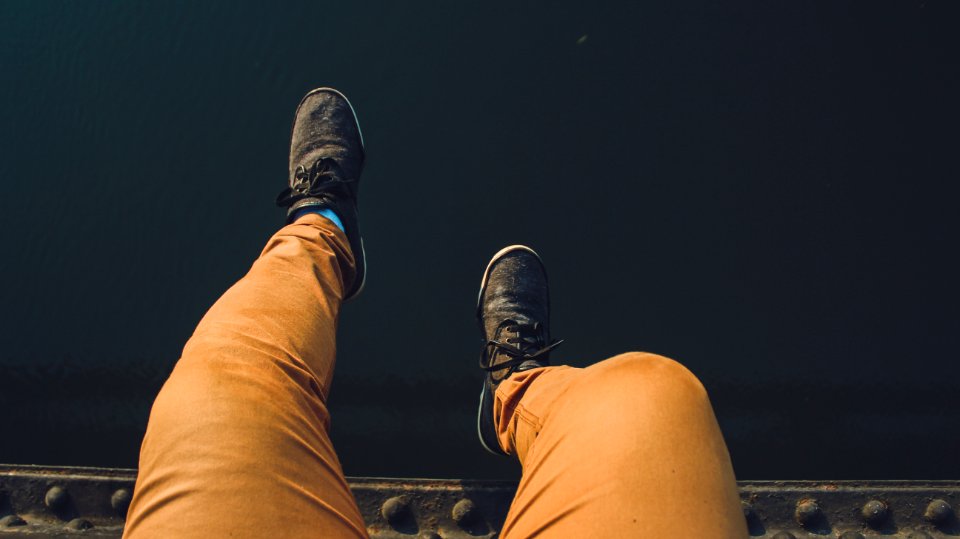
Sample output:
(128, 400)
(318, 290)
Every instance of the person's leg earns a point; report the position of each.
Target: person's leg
(237, 441)
(628, 447)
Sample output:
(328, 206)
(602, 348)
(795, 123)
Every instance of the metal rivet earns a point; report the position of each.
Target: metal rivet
(875, 512)
(938, 512)
(464, 512)
(919, 535)
(56, 498)
(79, 524)
(10, 521)
(851, 535)
(395, 510)
(120, 500)
(783, 535)
(808, 512)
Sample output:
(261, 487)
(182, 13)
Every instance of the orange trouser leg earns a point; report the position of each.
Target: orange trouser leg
(237, 444)
(628, 447)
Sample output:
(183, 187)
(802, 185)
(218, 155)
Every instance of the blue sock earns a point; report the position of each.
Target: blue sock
(320, 210)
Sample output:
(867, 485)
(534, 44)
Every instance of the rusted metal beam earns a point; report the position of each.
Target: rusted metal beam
(38, 501)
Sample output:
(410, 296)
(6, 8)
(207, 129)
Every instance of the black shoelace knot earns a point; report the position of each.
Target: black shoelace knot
(321, 177)
(527, 344)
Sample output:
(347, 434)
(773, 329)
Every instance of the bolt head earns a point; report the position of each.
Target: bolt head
(938, 512)
(79, 524)
(875, 512)
(464, 512)
(120, 500)
(56, 498)
(808, 512)
(395, 510)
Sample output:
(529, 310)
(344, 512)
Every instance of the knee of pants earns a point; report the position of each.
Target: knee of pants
(644, 383)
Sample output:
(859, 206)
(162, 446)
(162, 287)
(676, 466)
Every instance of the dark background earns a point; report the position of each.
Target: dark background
(765, 191)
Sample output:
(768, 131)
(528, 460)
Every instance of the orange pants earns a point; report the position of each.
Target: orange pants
(237, 443)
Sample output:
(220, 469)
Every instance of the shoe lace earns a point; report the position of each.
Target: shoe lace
(319, 178)
(527, 344)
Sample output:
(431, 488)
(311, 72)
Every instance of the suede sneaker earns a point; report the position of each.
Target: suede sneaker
(513, 309)
(326, 159)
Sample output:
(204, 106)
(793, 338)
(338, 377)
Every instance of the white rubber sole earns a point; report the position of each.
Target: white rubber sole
(483, 393)
(366, 270)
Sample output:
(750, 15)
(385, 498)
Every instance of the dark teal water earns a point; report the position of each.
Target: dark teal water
(764, 191)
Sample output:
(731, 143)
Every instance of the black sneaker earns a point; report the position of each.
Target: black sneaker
(513, 309)
(326, 158)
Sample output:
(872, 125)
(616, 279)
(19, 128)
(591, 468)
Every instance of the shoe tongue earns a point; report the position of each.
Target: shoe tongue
(529, 335)
(501, 313)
